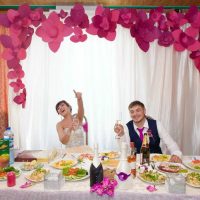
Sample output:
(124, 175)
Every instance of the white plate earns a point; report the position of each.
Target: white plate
(190, 184)
(110, 154)
(67, 178)
(152, 182)
(168, 163)
(188, 164)
(27, 176)
(5, 177)
(61, 167)
(196, 186)
(110, 163)
(85, 156)
(32, 180)
(40, 165)
(78, 179)
(160, 157)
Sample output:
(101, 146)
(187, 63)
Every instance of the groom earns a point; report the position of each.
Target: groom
(140, 124)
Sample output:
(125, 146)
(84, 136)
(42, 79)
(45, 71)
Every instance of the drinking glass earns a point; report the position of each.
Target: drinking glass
(75, 122)
(118, 125)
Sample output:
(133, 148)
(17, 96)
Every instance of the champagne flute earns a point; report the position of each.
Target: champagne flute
(118, 127)
(75, 122)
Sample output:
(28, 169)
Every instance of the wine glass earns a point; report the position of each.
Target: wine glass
(75, 122)
(118, 128)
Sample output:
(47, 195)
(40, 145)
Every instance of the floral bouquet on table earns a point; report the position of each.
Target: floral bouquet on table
(107, 186)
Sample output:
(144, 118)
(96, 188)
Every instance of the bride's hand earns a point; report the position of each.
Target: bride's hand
(78, 95)
(119, 129)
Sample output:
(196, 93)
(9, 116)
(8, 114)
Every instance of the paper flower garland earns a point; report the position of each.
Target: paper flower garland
(167, 28)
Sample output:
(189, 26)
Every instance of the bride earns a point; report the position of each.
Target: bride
(70, 131)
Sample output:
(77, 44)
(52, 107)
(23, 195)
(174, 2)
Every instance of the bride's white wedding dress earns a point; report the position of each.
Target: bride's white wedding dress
(76, 137)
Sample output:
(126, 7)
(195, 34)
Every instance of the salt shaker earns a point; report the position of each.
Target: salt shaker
(11, 179)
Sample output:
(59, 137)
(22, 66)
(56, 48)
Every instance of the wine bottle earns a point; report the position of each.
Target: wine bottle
(145, 150)
(132, 158)
(96, 168)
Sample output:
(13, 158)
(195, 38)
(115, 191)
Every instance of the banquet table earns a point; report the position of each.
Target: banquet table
(80, 190)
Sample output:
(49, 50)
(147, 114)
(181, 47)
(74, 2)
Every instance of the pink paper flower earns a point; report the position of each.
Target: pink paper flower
(186, 40)
(18, 85)
(127, 17)
(13, 63)
(24, 10)
(16, 73)
(79, 36)
(13, 15)
(53, 31)
(37, 16)
(175, 20)
(197, 63)
(144, 32)
(156, 13)
(104, 23)
(107, 186)
(6, 41)
(195, 55)
(151, 188)
(62, 14)
(162, 23)
(193, 16)
(4, 21)
(165, 39)
(77, 17)
(9, 54)
(21, 98)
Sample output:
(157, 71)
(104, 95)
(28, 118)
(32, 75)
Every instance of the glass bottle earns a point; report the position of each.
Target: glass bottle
(145, 150)
(123, 171)
(96, 168)
(132, 158)
(9, 135)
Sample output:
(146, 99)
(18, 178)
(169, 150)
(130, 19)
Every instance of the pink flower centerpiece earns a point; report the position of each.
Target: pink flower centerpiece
(107, 186)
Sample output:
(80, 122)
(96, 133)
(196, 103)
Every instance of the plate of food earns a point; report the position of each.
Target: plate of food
(194, 165)
(160, 158)
(75, 173)
(109, 155)
(168, 167)
(111, 163)
(5, 170)
(152, 177)
(83, 156)
(193, 179)
(63, 164)
(37, 175)
(28, 166)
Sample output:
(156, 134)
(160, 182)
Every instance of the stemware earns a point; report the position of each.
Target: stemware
(75, 122)
(118, 125)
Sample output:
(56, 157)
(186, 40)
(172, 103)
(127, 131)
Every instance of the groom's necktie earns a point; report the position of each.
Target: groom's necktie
(141, 133)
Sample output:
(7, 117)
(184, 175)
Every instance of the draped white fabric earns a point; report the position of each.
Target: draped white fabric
(110, 75)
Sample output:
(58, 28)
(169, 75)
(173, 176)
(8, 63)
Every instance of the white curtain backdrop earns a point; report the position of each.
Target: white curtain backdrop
(110, 75)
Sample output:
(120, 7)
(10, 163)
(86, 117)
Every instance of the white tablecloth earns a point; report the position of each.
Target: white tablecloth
(80, 190)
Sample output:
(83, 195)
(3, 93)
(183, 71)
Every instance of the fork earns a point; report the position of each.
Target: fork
(64, 155)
